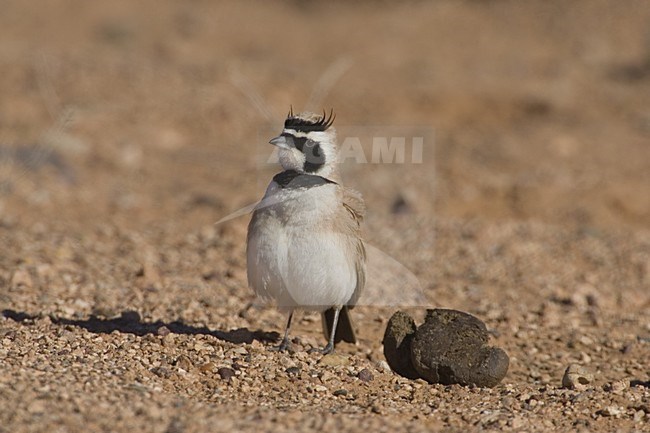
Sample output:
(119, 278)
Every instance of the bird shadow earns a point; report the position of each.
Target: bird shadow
(130, 322)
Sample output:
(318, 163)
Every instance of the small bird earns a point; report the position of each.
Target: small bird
(304, 246)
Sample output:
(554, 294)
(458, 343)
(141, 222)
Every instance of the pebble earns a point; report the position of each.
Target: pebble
(517, 422)
(326, 376)
(163, 331)
(239, 351)
(162, 372)
(509, 403)
(365, 375)
(183, 362)
(208, 366)
(383, 366)
(226, 373)
(339, 392)
(287, 362)
(577, 377)
(293, 371)
(334, 360)
(608, 411)
(616, 387)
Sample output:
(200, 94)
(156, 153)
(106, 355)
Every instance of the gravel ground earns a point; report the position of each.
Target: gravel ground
(127, 129)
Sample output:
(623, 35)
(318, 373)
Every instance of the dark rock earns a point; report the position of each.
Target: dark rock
(397, 344)
(365, 375)
(451, 347)
(293, 371)
(492, 368)
(400, 206)
(340, 392)
(226, 373)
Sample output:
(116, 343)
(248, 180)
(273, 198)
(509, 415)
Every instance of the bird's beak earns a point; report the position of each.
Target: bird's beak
(280, 141)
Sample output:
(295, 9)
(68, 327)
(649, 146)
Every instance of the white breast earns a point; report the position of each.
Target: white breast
(293, 256)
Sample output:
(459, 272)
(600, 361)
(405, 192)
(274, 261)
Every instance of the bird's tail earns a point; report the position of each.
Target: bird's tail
(344, 329)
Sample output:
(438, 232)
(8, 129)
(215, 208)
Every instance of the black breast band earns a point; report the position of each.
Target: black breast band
(291, 179)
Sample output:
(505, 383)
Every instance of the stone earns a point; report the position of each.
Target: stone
(577, 377)
(207, 367)
(613, 411)
(326, 376)
(184, 363)
(365, 375)
(226, 373)
(383, 367)
(163, 372)
(616, 387)
(397, 344)
(292, 371)
(163, 331)
(450, 347)
(334, 360)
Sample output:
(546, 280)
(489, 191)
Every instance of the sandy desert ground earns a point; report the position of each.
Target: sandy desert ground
(127, 129)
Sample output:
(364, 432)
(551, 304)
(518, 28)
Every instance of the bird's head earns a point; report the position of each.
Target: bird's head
(308, 144)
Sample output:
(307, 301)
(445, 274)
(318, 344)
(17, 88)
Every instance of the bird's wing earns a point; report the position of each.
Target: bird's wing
(348, 223)
(355, 210)
(353, 202)
(252, 268)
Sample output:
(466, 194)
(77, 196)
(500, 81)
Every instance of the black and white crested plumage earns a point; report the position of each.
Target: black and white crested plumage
(308, 143)
(309, 123)
(304, 246)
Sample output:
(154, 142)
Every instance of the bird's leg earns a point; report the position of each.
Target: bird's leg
(329, 348)
(284, 344)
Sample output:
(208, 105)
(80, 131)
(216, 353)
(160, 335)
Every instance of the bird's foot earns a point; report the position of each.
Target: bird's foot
(283, 347)
(329, 348)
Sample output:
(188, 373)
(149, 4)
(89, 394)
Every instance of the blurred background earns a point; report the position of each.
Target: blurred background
(128, 128)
